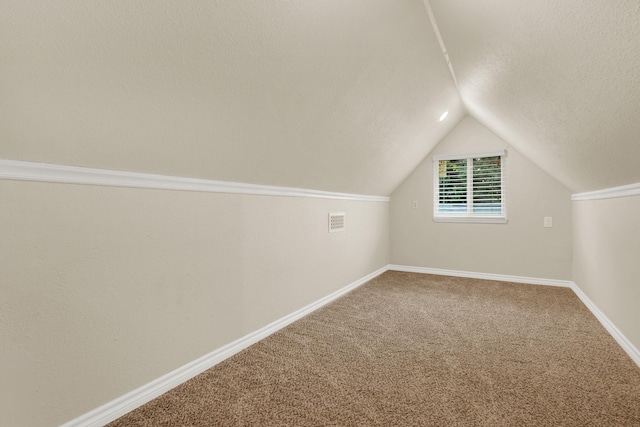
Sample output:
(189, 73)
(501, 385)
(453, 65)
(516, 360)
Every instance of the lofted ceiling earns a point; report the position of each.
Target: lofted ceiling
(558, 80)
(330, 95)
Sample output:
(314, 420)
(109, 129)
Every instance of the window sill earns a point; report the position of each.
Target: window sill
(472, 219)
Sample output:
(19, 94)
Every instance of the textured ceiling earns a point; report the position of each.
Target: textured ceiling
(331, 95)
(559, 80)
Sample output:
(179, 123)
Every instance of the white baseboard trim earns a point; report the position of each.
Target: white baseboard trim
(132, 400)
(45, 172)
(485, 276)
(626, 345)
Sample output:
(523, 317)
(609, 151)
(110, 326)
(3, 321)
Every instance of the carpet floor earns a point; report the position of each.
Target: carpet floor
(411, 349)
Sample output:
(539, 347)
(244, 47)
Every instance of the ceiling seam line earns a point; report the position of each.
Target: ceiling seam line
(443, 48)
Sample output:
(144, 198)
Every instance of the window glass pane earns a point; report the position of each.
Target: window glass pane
(452, 195)
(487, 185)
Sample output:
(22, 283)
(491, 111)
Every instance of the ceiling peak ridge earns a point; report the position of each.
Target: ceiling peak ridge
(443, 48)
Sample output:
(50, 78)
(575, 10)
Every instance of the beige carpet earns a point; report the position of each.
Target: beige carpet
(419, 350)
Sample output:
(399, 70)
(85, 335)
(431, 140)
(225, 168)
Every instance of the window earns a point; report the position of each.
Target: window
(469, 188)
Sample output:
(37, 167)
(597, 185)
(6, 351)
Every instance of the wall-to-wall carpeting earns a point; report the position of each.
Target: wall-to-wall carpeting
(416, 349)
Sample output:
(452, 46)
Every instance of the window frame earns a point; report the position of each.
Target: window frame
(469, 217)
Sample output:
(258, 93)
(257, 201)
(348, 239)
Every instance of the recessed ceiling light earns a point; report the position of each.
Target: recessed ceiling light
(443, 116)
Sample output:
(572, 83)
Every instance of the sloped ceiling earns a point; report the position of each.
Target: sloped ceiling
(331, 95)
(559, 80)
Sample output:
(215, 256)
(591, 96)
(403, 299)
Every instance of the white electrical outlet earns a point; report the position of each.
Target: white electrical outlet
(415, 204)
(548, 221)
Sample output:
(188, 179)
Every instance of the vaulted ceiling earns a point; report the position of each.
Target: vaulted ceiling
(558, 80)
(329, 95)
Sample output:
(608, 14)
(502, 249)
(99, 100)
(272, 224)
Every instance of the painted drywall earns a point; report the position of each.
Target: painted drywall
(558, 80)
(522, 247)
(105, 289)
(606, 259)
(328, 95)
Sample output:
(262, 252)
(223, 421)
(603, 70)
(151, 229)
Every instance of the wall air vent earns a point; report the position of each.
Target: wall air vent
(336, 221)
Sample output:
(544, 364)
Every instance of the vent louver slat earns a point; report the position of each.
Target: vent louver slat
(336, 221)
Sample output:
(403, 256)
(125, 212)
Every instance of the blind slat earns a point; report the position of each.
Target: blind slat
(470, 185)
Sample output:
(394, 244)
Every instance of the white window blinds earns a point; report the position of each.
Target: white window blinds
(470, 188)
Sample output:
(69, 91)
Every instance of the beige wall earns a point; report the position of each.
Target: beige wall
(521, 247)
(606, 259)
(105, 289)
